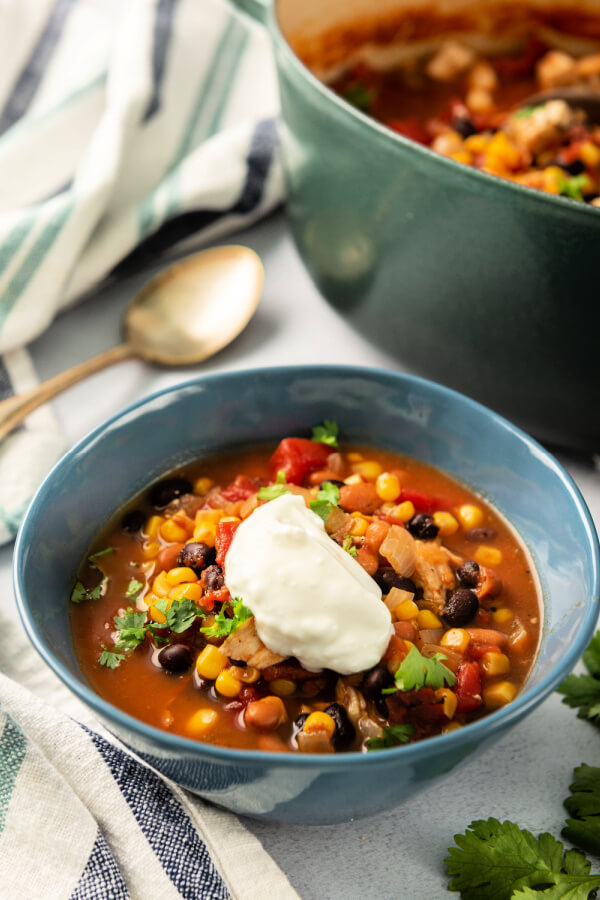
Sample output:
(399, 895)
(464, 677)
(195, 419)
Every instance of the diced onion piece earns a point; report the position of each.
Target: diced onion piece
(399, 550)
(397, 596)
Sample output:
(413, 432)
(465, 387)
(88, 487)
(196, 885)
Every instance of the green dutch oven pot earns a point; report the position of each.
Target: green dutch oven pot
(477, 282)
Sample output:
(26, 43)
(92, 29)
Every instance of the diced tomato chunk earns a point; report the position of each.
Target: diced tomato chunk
(297, 457)
(410, 128)
(240, 489)
(225, 533)
(423, 502)
(468, 687)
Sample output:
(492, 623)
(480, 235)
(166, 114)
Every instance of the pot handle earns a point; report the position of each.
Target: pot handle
(257, 9)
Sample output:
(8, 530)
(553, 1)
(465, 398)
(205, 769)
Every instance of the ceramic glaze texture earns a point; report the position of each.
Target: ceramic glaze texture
(384, 409)
(470, 279)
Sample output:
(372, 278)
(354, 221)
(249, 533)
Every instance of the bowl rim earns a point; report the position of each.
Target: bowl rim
(494, 183)
(475, 732)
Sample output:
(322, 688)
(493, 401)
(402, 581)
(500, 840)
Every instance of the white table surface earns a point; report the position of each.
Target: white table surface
(524, 777)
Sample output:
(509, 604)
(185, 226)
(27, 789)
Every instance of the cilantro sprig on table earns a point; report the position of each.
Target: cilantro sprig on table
(417, 671)
(327, 433)
(582, 692)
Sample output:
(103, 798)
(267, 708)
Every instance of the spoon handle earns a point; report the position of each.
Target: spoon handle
(15, 409)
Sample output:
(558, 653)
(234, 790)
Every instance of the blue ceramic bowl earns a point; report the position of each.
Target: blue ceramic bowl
(381, 408)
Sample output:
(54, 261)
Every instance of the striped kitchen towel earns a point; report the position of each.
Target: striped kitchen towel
(81, 819)
(125, 129)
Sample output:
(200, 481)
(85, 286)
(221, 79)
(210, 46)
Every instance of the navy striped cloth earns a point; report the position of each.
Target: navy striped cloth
(126, 129)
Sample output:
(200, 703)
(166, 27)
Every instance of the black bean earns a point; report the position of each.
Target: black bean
(175, 657)
(197, 556)
(240, 663)
(133, 521)
(387, 578)
(344, 734)
(332, 481)
(464, 126)
(477, 535)
(165, 491)
(381, 707)
(573, 168)
(460, 607)
(423, 527)
(468, 573)
(375, 681)
(213, 578)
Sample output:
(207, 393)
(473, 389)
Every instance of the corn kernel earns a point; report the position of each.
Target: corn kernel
(227, 685)
(202, 721)
(354, 479)
(206, 533)
(283, 687)
(502, 616)
(590, 154)
(553, 178)
(210, 662)
(456, 639)
(247, 674)
(187, 591)
(319, 721)
(499, 694)
(150, 598)
(156, 615)
(160, 585)
(180, 574)
(463, 156)
(150, 549)
(470, 516)
(446, 523)
(152, 526)
(173, 532)
(502, 152)
(488, 556)
(404, 511)
(209, 515)
(354, 457)
(495, 663)
(428, 619)
(477, 143)
(231, 519)
(203, 485)
(358, 527)
(406, 610)
(369, 469)
(451, 726)
(387, 486)
(450, 701)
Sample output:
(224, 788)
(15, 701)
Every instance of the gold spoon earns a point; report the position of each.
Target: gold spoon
(182, 316)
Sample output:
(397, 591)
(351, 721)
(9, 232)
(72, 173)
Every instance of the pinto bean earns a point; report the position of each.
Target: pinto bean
(266, 714)
(361, 497)
(487, 636)
(375, 535)
(167, 557)
(320, 475)
(368, 560)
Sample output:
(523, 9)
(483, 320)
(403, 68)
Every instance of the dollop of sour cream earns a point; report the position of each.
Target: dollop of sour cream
(310, 598)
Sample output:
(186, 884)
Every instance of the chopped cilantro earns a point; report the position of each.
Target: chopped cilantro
(80, 592)
(498, 860)
(110, 659)
(327, 498)
(131, 619)
(359, 95)
(583, 829)
(280, 477)
(391, 736)
(106, 552)
(272, 492)
(327, 433)
(417, 671)
(583, 691)
(224, 625)
(133, 589)
(348, 546)
(526, 111)
(96, 592)
(182, 614)
(574, 187)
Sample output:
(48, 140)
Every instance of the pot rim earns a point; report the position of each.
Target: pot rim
(477, 732)
(493, 183)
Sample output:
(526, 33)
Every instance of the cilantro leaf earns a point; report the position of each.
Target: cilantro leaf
(391, 736)
(495, 860)
(132, 629)
(348, 546)
(327, 433)
(131, 619)
(327, 498)
(133, 589)
(417, 671)
(359, 95)
(224, 625)
(280, 477)
(583, 829)
(97, 592)
(106, 552)
(110, 659)
(80, 592)
(583, 691)
(272, 492)
(574, 187)
(182, 614)
(526, 111)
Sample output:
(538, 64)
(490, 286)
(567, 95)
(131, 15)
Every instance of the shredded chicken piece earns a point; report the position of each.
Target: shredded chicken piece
(433, 571)
(543, 129)
(245, 644)
(187, 503)
(451, 60)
